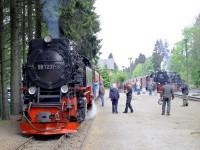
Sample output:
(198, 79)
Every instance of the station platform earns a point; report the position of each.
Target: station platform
(146, 128)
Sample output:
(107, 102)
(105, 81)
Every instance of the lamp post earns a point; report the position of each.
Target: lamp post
(130, 58)
(186, 55)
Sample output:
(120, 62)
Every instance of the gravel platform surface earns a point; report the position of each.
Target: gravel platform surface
(146, 128)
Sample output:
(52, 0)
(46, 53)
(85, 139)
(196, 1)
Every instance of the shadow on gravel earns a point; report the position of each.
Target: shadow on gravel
(47, 137)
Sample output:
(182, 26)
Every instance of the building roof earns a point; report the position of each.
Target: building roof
(109, 63)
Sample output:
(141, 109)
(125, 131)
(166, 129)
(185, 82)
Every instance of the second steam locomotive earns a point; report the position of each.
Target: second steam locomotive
(157, 80)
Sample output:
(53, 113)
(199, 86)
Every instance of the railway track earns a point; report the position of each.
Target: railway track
(77, 141)
(193, 98)
(42, 142)
(74, 141)
(22, 145)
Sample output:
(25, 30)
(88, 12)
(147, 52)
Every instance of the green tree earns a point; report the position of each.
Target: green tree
(22, 20)
(178, 60)
(148, 66)
(1, 56)
(137, 71)
(193, 37)
(15, 58)
(159, 52)
(106, 77)
(141, 58)
(30, 20)
(110, 55)
(38, 19)
(4, 102)
(23, 31)
(119, 76)
(79, 23)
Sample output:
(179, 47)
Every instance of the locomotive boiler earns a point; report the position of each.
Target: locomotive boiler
(57, 87)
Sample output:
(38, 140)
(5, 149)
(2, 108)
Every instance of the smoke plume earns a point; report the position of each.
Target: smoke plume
(92, 112)
(51, 13)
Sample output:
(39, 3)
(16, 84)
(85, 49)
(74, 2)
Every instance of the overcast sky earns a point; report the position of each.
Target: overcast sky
(130, 27)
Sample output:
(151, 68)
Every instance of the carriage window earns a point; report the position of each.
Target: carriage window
(88, 76)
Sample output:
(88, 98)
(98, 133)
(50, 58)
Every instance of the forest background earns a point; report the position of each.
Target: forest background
(23, 20)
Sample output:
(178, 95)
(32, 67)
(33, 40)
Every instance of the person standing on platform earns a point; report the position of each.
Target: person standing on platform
(101, 94)
(150, 87)
(138, 87)
(128, 99)
(114, 96)
(167, 94)
(95, 88)
(185, 92)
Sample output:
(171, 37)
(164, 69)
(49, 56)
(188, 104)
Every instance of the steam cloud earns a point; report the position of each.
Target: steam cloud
(92, 112)
(51, 15)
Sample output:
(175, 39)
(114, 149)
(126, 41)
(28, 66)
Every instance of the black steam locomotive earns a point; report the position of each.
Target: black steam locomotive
(162, 77)
(53, 64)
(57, 87)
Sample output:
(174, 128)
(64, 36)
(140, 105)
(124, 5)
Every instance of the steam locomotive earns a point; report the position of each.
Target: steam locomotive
(161, 77)
(57, 87)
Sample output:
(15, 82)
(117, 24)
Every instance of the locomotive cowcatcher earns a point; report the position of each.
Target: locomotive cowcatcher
(57, 87)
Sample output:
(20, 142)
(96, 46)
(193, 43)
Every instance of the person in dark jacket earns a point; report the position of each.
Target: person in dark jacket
(167, 94)
(114, 96)
(128, 99)
(185, 92)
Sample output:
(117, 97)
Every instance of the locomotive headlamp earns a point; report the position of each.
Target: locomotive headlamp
(32, 90)
(64, 89)
(47, 39)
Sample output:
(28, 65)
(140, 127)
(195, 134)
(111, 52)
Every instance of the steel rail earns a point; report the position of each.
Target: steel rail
(193, 98)
(21, 146)
(59, 142)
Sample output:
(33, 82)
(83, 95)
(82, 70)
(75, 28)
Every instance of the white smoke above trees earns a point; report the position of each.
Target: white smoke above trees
(161, 55)
(51, 14)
